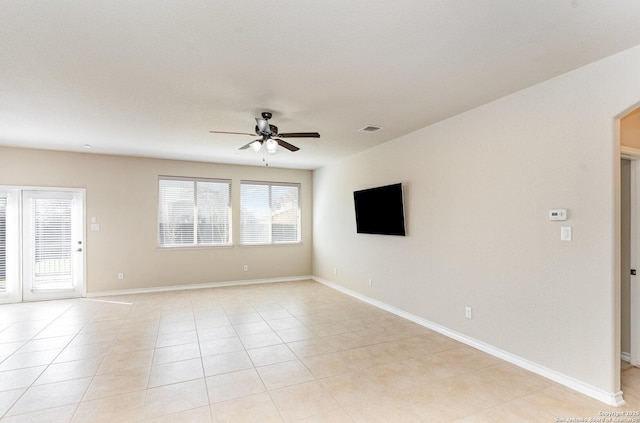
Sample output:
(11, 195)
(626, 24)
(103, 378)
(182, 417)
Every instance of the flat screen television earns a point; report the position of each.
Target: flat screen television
(380, 210)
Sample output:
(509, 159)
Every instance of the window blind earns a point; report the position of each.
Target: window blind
(194, 212)
(3, 244)
(269, 213)
(52, 243)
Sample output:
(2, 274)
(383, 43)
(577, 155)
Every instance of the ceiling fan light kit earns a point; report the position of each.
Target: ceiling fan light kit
(271, 138)
(272, 146)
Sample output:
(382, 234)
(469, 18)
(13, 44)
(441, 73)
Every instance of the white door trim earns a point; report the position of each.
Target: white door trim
(629, 153)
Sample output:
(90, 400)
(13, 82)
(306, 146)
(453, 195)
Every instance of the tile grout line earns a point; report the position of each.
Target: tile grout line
(47, 366)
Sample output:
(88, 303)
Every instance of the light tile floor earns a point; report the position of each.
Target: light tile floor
(295, 351)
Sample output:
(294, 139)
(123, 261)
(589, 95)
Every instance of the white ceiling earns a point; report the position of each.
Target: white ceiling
(151, 78)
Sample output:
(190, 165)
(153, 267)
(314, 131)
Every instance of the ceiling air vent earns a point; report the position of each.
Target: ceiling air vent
(370, 128)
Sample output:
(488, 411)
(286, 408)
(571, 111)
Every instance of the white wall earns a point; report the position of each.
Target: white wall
(478, 188)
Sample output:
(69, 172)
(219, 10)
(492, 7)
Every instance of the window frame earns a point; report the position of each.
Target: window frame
(271, 242)
(195, 244)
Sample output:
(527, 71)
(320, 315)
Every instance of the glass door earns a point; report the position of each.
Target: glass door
(10, 286)
(52, 244)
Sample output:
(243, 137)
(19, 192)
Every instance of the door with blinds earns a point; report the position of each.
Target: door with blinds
(10, 285)
(52, 244)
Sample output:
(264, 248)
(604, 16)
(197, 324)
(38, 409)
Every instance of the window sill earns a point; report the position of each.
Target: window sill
(279, 244)
(192, 247)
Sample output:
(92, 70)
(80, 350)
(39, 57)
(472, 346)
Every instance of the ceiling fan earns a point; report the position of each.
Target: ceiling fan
(270, 137)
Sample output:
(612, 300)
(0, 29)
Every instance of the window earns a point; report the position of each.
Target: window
(194, 212)
(269, 213)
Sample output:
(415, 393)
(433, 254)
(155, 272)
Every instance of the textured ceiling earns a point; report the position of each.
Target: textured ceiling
(151, 79)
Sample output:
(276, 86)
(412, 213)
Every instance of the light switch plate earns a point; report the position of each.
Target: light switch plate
(565, 233)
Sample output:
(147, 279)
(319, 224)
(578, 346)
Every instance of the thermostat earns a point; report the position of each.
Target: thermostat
(558, 214)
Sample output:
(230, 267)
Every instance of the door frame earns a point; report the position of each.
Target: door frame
(633, 155)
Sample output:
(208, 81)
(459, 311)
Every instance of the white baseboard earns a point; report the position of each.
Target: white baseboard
(625, 356)
(195, 286)
(609, 398)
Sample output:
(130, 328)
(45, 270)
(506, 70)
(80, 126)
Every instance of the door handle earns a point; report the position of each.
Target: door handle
(79, 250)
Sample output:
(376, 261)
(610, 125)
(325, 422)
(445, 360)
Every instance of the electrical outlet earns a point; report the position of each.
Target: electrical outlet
(120, 275)
(370, 282)
(245, 267)
(467, 312)
(335, 270)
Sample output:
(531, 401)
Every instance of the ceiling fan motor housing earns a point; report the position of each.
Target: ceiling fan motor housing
(273, 130)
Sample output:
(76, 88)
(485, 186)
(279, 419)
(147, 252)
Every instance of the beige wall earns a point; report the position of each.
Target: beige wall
(478, 189)
(630, 129)
(122, 193)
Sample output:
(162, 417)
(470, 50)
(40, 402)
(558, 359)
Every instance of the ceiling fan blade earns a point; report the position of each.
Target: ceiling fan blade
(300, 135)
(286, 145)
(231, 133)
(263, 125)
